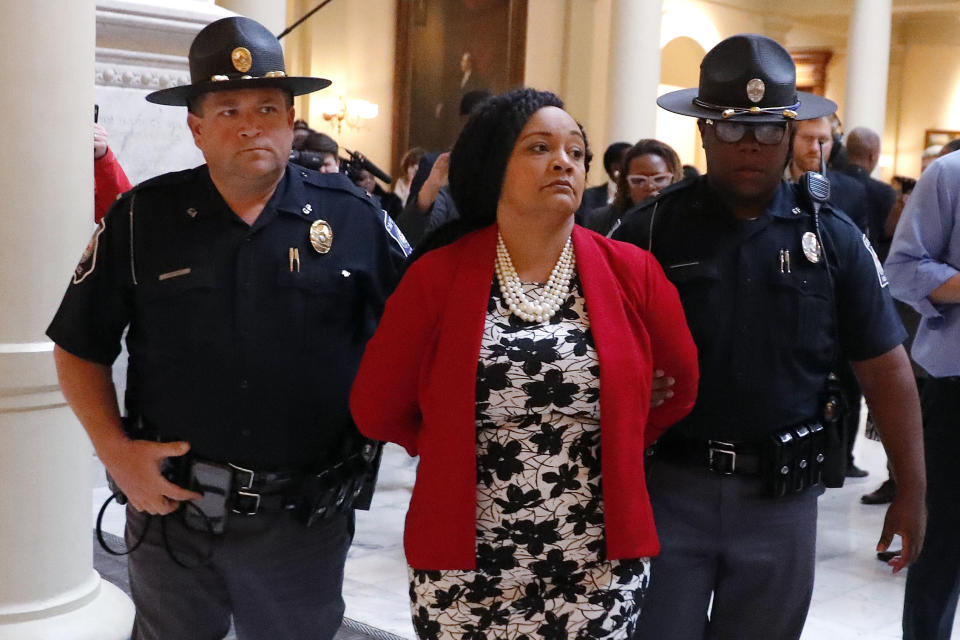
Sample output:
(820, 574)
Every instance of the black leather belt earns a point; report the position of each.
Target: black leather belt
(264, 491)
(723, 458)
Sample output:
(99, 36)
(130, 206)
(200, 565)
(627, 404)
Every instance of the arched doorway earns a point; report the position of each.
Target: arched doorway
(680, 69)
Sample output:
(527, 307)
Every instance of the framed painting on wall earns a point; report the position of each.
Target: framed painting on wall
(445, 49)
(939, 136)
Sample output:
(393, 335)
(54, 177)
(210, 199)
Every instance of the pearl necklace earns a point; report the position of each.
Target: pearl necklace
(542, 307)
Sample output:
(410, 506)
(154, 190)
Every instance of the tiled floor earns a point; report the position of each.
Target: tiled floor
(855, 596)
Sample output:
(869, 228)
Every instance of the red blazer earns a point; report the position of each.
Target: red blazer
(417, 381)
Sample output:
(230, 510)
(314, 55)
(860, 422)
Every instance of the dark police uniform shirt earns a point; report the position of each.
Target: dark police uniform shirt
(234, 346)
(766, 336)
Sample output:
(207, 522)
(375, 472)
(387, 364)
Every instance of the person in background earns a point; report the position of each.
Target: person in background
(109, 180)
(648, 167)
(408, 169)
(328, 149)
(530, 345)
(923, 271)
(429, 204)
(603, 195)
(863, 154)
(300, 132)
(950, 147)
(386, 200)
(929, 155)
(887, 491)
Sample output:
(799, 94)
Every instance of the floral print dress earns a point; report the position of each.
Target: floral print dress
(542, 572)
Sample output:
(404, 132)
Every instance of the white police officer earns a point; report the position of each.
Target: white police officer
(249, 287)
(775, 286)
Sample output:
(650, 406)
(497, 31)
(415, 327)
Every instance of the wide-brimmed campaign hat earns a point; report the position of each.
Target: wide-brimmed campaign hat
(747, 78)
(235, 53)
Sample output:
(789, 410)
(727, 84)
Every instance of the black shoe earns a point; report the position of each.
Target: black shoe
(884, 494)
(853, 471)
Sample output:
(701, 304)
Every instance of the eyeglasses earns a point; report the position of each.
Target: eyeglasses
(734, 131)
(657, 181)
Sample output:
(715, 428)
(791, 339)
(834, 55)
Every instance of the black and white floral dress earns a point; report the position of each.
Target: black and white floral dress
(542, 572)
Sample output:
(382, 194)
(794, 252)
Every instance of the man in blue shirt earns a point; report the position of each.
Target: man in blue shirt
(924, 271)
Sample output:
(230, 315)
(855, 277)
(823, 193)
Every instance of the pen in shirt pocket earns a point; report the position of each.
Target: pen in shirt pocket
(293, 255)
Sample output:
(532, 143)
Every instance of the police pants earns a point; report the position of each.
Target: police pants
(720, 536)
(933, 580)
(277, 578)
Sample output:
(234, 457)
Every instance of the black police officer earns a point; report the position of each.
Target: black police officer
(771, 293)
(249, 287)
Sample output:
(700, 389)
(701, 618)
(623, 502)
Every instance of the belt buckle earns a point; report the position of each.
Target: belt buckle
(722, 457)
(248, 484)
(242, 495)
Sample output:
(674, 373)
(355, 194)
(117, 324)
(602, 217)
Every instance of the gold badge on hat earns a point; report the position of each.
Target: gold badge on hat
(811, 248)
(756, 89)
(242, 60)
(321, 236)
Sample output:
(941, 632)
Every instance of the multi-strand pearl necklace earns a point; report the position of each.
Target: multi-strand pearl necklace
(541, 308)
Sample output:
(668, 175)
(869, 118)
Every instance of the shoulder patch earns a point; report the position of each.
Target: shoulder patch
(394, 232)
(881, 276)
(88, 261)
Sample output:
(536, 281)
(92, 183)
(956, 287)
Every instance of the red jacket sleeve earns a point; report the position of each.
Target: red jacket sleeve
(672, 346)
(385, 395)
(109, 181)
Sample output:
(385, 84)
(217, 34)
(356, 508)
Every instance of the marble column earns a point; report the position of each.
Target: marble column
(634, 70)
(270, 13)
(868, 62)
(48, 588)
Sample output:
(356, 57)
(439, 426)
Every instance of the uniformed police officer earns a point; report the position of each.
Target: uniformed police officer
(772, 292)
(249, 287)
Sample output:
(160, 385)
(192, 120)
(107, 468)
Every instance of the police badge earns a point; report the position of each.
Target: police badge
(321, 236)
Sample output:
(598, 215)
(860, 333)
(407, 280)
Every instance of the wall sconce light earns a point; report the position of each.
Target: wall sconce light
(354, 112)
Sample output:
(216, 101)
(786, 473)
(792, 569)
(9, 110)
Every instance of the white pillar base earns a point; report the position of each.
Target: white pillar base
(105, 614)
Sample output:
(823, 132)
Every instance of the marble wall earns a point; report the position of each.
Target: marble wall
(141, 47)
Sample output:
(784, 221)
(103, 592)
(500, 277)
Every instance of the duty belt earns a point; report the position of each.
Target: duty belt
(723, 458)
(264, 491)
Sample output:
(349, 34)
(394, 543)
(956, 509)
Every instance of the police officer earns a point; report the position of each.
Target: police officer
(249, 287)
(772, 292)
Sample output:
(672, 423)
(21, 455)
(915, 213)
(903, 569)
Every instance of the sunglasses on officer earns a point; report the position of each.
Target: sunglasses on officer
(766, 133)
(657, 181)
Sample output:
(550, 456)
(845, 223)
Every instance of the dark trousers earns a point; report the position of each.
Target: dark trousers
(933, 580)
(721, 536)
(278, 579)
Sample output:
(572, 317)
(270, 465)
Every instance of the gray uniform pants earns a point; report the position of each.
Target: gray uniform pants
(721, 536)
(278, 579)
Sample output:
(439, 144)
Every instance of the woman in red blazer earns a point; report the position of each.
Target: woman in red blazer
(517, 362)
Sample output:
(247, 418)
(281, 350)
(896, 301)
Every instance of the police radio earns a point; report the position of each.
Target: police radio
(816, 187)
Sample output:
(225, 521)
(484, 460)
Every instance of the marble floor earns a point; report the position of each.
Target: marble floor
(855, 595)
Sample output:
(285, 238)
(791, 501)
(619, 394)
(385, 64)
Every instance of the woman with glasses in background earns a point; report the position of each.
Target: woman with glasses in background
(650, 166)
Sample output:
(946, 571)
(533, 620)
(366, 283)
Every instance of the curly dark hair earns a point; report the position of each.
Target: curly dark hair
(479, 158)
(647, 146)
